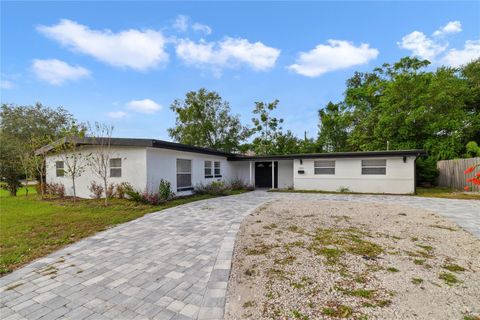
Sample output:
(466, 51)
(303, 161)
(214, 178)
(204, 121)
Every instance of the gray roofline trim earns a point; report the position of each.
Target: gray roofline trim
(161, 144)
(152, 143)
(354, 154)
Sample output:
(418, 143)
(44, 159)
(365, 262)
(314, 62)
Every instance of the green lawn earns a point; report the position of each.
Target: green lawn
(31, 227)
(439, 192)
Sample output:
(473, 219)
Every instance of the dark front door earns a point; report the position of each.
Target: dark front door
(263, 174)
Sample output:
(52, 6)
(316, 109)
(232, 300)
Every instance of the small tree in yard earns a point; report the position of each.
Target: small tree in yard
(10, 168)
(100, 158)
(26, 161)
(39, 161)
(68, 149)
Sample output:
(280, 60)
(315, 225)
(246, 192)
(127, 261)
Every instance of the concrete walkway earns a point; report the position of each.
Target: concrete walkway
(172, 264)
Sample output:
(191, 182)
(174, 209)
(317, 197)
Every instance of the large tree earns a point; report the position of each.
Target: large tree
(203, 119)
(24, 128)
(267, 128)
(407, 106)
(333, 128)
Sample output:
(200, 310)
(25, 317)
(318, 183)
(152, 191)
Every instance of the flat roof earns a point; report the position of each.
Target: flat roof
(162, 144)
(351, 154)
(137, 142)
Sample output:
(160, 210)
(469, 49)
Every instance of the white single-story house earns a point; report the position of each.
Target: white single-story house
(144, 162)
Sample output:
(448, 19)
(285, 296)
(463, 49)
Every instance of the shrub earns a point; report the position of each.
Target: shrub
(55, 189)
(110, 190)
(237, 184)
(96, 189)
(165, 190)
(343, 189)
(427, 171)
(152, 198)
(39, 187)
(123, 189)
(134, 195)
(214, 188)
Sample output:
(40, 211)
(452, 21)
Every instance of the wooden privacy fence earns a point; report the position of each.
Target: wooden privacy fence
(451, 173)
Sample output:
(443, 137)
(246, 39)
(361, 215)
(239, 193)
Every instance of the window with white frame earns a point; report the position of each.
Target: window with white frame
(59, 168)
(208, 169)
(324, 166)
(184, 174)
(374, 167)
(115, 167)
(218, 172)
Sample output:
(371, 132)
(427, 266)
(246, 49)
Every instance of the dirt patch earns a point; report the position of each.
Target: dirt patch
(330, 260)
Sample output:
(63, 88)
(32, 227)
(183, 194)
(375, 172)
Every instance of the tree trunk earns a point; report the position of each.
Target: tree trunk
(42, 187)
(74, 190)
(106, 193)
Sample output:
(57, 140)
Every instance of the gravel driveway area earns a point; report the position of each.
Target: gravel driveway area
(172, 264)
(314, 259)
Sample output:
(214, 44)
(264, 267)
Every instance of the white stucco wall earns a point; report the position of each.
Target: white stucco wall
(241, 170)
(162, 164)
(399, 178)
(133, 171)
(285, 174)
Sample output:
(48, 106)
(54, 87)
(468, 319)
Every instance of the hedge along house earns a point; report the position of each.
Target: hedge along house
(144, 162)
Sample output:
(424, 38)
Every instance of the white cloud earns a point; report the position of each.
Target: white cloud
(450, 28)
(335, 55)
(228, 53)
(421, 45)
(203, 28)
(456, 58)
(135, 49)
(7, 84)
(57, 72)
(181, 23)
(117, 114)
(144, 106)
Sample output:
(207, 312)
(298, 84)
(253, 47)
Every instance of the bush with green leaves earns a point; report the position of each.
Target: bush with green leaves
(427, 171)
(165, 190)
(134, 195)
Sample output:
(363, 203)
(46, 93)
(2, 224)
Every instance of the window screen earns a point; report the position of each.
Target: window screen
(324, 166)
(218, 173)
(374, 167)
(59, 165)
(184, 174)
(115, 167)
(208, 169)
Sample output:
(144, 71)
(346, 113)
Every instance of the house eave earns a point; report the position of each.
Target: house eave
(359, 154)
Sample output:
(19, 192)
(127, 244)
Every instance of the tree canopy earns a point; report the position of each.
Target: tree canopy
(24, 128)
(203, 119)
(407, 106)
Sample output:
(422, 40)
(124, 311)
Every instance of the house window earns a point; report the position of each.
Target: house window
(59, 165)
(208, 169)
(184, 174)
(324, 166)
(218, 173)
(375, 167)
(115, 168)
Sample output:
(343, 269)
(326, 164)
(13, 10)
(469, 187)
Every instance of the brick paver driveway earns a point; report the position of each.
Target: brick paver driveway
(172, 264)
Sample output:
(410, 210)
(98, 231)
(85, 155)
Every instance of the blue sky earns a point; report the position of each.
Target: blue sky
(123, 63)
